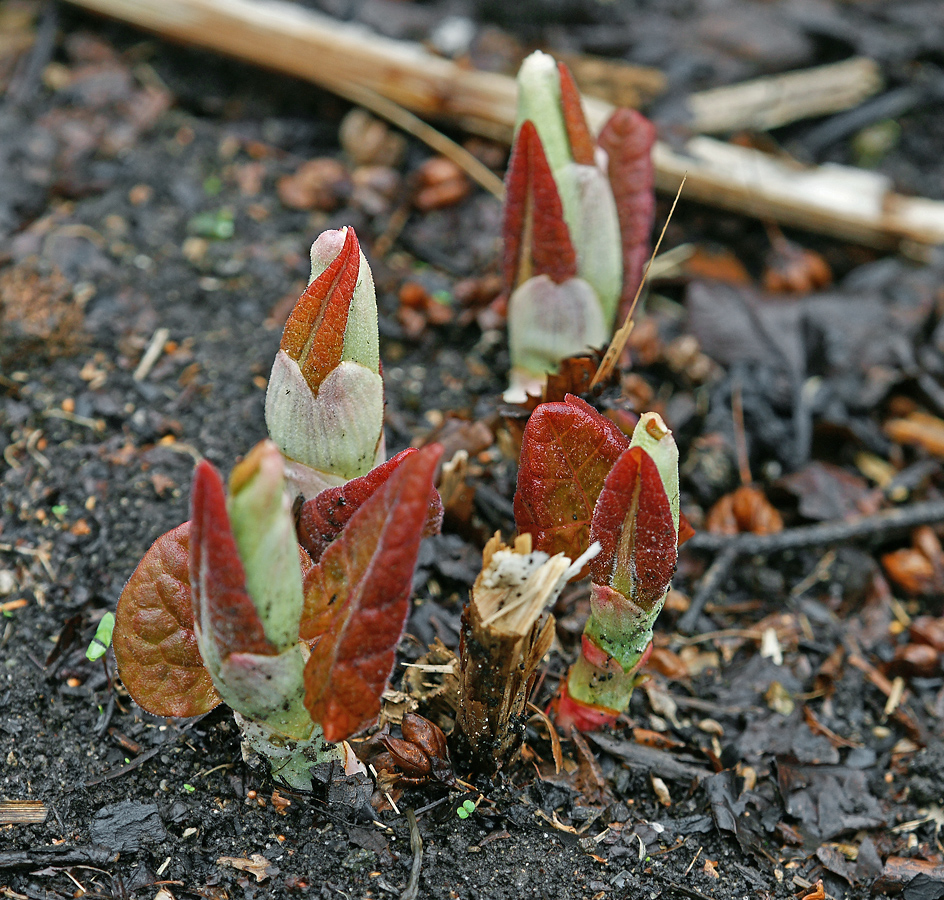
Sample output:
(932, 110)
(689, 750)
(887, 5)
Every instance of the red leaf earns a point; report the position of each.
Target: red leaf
(155, 645)
(582, 145)
(537, 240)
(566, 453)
(322, 518)
(628, 137)
(357, 599)
(223, 609)
(632, 521)
(314, 332)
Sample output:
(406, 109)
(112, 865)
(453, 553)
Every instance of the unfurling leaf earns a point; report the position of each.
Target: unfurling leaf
(314, 332)
(632, 521)
(322, 518)
(537, 240)
(627, 139)
(225, 617)
(155, 645)
(567, 451)
(324, 402)
(357, 599)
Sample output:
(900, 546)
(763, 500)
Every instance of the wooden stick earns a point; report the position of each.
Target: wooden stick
(841, 201)
(765, 103)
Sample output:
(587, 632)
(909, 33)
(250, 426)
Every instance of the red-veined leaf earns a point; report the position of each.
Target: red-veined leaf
(223, 609)
(537, 240)
(582, 145)
(314, 332)
(632, 521)
(155, 645)
(357, 599)
(322, 518)
(566, 453)
(628, 137)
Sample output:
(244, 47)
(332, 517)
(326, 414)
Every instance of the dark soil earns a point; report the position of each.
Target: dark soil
(782, 761)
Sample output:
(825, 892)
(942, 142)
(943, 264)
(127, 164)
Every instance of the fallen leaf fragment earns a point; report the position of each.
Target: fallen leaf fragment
(745, 510)
(918, 429)
(256, 865)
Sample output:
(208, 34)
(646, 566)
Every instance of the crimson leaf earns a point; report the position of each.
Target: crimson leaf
(567, 450)
(322, 518)
(314, 332)
(582, 146)
(628, 137)
(632, 521)
(537, 240)
(357, 599)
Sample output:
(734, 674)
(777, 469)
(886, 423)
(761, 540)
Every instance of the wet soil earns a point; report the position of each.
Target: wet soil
(140, 191)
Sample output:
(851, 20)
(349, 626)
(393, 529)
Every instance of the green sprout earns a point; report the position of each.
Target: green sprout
(467, 808)
(189, 788)
(102, 640)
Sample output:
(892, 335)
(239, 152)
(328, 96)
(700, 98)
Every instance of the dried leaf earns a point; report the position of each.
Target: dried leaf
(155, 645)
(537, 240)
(572, 377)
(792, 269)
(627, 138)
(256, 865)
(357, 599)
(918, 429)
(322, 518)
(745, 510)
(912, 571)
(567, 452)
(632, 520)
(314, 332)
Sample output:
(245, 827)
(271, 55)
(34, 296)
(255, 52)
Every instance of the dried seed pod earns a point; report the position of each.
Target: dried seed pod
(409, 758)
(422, 752)
(426, 735)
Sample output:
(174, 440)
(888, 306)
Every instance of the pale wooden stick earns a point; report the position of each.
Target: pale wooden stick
(776, 100)
(836, 200)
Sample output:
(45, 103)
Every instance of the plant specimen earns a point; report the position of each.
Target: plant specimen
(581, 481)
(294, 626)
(324, 402)
(577, 217)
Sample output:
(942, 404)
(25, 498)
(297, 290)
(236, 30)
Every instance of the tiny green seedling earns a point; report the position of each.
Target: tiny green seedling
(102, 640)
(466, 810)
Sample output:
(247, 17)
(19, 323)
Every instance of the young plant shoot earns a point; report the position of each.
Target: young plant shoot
(292, 626)
(579, 481)
(324, 403)
(229, 608)
(576, 224)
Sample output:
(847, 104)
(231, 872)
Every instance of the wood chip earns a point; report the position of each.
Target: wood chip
(22, 812)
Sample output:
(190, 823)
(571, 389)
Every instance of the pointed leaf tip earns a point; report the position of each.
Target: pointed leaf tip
(314, 332)
(357, 599)
(223, 611)
(537, 240)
